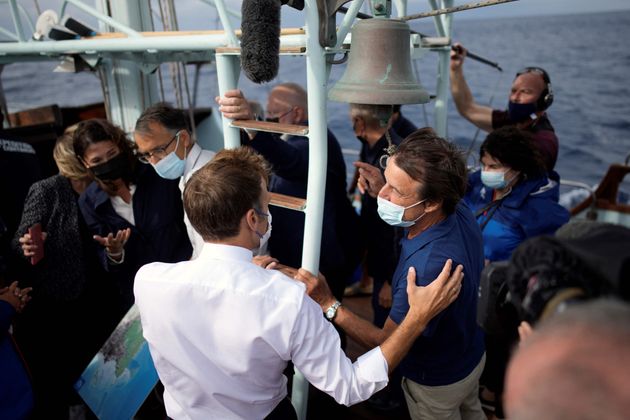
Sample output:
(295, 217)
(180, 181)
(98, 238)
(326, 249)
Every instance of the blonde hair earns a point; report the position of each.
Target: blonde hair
(67, 162)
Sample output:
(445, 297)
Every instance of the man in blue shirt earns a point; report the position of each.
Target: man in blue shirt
(425, 182)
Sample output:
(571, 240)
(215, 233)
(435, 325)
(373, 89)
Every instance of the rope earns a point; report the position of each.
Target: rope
(463, 7)
(159, 69)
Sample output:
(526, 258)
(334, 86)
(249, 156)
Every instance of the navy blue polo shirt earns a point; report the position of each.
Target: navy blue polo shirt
(452, 344)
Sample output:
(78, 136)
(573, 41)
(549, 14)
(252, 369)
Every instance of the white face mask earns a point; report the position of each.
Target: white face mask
(261, 249)
(393, 214)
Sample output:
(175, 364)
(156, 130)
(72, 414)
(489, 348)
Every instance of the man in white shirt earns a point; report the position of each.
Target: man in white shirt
(221, 329)
(164, 140)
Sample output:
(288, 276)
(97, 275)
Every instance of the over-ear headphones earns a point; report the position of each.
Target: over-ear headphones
(546, 97)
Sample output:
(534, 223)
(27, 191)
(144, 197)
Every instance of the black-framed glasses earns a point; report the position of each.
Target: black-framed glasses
(158, 151)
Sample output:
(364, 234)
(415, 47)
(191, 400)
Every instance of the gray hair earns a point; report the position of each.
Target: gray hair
(373, 115)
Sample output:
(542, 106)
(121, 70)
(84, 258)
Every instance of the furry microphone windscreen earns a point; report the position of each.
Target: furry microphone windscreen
(260, 39)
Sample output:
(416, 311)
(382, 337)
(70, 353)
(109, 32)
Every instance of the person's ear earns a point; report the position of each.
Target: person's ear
(299, 115)
(358, 124)
(186, 138)
(431, 206)
(251, 218)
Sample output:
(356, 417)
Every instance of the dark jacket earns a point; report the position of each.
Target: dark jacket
(289, 160)
(61, 274)
(530, 209)
(159, 234)
(381, 239)
(16, 394)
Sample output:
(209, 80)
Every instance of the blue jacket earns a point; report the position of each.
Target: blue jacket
(289, 161)
(16, 394)
(159, 234)
(530, 209)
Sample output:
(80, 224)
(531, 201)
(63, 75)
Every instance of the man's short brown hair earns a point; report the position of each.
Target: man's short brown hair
(219, 194)
(437, 164)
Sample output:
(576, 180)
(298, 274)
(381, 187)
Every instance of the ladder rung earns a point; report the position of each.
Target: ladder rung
(283, 50)
(434, 42)
(287, 202)
(295, 130)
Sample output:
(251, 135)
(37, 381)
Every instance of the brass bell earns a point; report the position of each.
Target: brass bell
(379, 66)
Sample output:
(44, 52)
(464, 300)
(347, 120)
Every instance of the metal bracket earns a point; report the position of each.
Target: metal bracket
(382, 8)
(327, 25)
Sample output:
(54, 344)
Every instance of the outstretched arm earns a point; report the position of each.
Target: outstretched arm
(395, 341)
(479, 115)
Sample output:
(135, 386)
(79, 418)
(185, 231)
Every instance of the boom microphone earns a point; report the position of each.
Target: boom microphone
(260, 39)
(76, 26)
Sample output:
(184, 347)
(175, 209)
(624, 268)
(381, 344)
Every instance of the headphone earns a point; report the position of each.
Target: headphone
(546, 97)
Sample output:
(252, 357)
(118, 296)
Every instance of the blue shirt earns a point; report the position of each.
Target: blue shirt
(452, 344)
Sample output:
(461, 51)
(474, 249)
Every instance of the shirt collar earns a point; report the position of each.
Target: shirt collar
(191, 158)
(410, 246)
(226, 252)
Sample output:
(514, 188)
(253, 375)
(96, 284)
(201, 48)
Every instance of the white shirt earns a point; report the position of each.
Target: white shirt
(197, 157)
(123, 209)
(221, 331)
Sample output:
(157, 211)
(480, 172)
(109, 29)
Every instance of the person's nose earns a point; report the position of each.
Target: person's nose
(153, 160)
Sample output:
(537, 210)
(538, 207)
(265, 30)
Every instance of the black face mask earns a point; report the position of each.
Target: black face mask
(116, 168)
(521, 112)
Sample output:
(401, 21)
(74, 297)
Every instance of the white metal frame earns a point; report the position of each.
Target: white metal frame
(165, 48)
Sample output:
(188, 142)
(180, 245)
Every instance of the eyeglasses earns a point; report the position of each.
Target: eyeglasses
(159, 152)
(277, 118)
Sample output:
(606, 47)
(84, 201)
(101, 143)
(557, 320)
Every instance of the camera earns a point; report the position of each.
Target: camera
(548, 273)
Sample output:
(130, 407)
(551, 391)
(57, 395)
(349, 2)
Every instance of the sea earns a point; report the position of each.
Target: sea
(586, 56)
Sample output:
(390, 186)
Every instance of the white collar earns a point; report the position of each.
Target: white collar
(226, 252)
(191, 158)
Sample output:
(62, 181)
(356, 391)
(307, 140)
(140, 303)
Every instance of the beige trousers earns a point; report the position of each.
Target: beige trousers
(457, 401)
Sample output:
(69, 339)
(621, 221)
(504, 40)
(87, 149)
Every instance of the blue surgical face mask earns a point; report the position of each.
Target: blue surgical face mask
(494, 180)
(171, 166)
(393, 214)
(521, 112)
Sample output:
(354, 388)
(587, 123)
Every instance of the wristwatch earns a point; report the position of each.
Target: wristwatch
(332, 311)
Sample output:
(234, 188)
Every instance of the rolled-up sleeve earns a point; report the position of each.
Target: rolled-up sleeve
(316, 352)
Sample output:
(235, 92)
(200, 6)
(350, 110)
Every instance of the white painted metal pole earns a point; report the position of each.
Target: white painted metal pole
(443, 26)
(347, 22)
(401, 7)
(228, 71)
(17, 22)
(130, 90)
(316, 82)
(227, 25)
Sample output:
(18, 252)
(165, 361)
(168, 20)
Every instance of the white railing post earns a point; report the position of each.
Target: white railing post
(228, 71)
(316, 83)
(443, 26)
